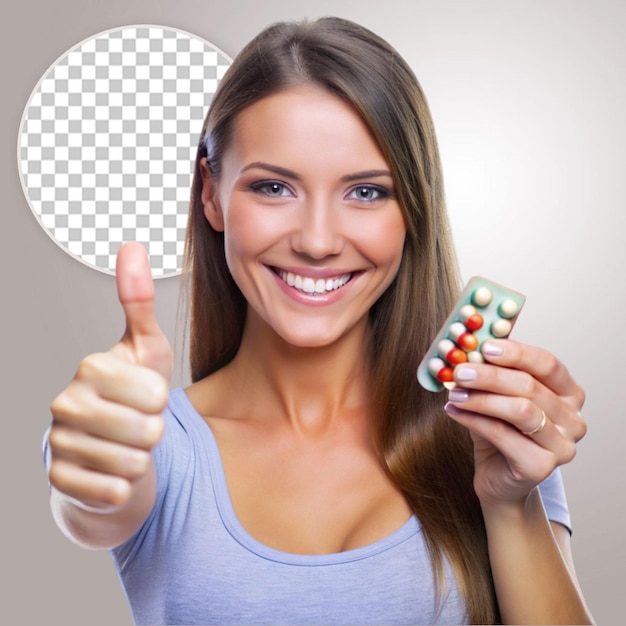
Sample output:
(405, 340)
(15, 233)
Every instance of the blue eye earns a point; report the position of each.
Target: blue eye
(368, 193)
(271, 189)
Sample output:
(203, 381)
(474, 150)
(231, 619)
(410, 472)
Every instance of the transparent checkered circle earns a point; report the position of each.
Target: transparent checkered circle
(107, 143)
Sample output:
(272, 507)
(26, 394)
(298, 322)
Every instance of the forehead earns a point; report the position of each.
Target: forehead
(305, 123)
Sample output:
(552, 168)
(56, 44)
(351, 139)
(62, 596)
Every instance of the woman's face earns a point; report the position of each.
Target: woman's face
(312, 227)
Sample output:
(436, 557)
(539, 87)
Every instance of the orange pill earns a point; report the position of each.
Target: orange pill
(456, 356)
(468, 342)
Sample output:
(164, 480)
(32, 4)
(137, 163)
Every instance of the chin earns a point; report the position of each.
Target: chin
(309, 341)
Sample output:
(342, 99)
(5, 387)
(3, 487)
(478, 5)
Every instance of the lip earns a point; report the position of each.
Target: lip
(315, 299)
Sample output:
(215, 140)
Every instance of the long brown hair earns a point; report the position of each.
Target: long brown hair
(427, 455)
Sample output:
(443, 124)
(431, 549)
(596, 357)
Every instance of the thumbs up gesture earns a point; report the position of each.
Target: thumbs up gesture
(108, 419)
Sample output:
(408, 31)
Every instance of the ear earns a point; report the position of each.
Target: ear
(210, 202)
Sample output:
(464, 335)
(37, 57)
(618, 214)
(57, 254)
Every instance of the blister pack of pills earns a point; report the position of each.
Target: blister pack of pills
(485, 310)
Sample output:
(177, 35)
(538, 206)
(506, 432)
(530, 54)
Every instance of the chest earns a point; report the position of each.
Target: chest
(307, 496)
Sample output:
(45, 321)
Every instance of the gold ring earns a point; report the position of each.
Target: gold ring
(544, 419)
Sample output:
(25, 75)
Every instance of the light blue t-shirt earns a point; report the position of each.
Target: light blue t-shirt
(192, 562)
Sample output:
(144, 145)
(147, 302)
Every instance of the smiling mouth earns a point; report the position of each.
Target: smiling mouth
(313, 286)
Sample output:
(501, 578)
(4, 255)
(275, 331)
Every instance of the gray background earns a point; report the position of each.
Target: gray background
(528, 99)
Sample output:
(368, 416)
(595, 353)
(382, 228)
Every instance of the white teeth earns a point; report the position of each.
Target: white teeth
(312, 286)
(308, 285)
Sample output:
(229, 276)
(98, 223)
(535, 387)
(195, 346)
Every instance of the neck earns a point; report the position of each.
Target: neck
(312, 388)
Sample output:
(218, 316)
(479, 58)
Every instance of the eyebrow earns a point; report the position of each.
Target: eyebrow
(283, 171)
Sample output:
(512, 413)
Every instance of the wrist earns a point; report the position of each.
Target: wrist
(514, 511)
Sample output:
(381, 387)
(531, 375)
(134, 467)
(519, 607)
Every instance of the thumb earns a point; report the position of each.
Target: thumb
(135, 290)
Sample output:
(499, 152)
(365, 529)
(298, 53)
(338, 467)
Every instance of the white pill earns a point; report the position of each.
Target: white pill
(501, 328)
(465, 312)
(508, 309)
(444, 347)
(475, 357)
(456, 330)
(482, 296)
(435, 365)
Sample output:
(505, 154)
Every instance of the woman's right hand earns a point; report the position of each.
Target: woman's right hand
(108, 419)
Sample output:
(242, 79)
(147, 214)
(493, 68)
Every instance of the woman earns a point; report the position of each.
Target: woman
(328, 487)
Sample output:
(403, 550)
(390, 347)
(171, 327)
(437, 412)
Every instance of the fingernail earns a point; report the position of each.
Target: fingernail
(458, 395)
(492, 349)
(465, 373)
(453, 410)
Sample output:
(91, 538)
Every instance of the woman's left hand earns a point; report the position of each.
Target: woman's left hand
(522, 408)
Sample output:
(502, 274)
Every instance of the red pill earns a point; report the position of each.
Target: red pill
(474, 322)
(445, 374)
(456, 356)
(468, 342)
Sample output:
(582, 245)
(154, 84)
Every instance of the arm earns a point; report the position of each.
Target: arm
(503, 403)
(108, 419)
(532, 566)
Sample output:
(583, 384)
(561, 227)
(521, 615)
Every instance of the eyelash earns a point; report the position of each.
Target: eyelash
(381, 192)
(264, 187)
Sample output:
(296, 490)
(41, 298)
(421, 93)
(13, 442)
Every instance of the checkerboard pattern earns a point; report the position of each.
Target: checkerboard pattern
(108, 140)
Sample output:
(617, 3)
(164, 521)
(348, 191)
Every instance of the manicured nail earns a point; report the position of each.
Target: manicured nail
(492, 349)
(465, 373)
(453, 410)
(458, 395)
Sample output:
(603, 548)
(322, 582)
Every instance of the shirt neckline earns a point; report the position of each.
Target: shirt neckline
(240, 534)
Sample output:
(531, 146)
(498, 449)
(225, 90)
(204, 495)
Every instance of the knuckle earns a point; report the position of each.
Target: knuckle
(569, 452)
(138, 464)
(57, 439)
(150, 431)
(59, 406)
(116, 492)
(59, 477)
(580, 396)
(580, 429)
(92, 367)
(526, 409)
(550, 364)
(157, 391)
(528, 386)
(71, 408)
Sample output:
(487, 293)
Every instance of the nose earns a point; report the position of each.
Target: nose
(318, 233)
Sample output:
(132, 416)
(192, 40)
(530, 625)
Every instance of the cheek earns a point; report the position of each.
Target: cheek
(247, 233)
(384, 241)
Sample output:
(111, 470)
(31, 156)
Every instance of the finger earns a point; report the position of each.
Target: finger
(112, 378)
(533, 457)
(539, 363)
(135, 290)
(508, 381)
(85, 485)
(81, 410)
(97, 454)
(144, 342)
(524, 414)
(516, 396)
